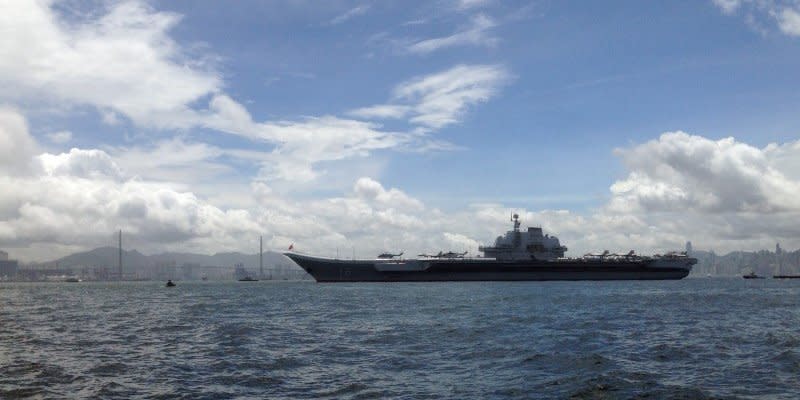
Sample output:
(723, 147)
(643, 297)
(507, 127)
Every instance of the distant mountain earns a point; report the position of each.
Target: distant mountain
(109, 256)
(228, 259)
(138, 264)
(101, 257)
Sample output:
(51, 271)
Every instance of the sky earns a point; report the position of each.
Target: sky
(370, 126)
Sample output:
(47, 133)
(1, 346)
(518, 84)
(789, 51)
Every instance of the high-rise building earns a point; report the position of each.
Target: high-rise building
(8, 268)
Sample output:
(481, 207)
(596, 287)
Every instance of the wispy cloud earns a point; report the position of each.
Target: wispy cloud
(414, 22)
(470, 4)
(436, 100)
(125, 63)
(353, 12)
(476, 34)
(440, 99)
(728, 6)
(60, 136)
(381, 111)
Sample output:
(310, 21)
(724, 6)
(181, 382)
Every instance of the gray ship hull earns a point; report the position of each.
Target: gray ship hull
(477, 269)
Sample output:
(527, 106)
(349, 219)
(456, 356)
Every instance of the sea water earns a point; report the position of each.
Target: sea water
(694, 338)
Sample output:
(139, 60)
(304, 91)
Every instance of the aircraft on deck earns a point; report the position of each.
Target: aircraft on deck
(449, 254)
(389, 255)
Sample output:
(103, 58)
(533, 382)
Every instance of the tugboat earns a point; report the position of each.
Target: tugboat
(752, 275)
(517, 256)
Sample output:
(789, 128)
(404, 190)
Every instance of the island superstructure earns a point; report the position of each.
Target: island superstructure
(518, 255)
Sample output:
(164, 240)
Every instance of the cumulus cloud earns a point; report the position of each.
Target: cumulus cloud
(722, 194)
(477, 34)
(74, 210)
(686, 172)
(156, 217)
(76, 199)
(124, 61)
(440, 99)
(373, 192)
(785, 158)
(643, 213)
(90, 164)
(789, 21)
(16, 145)
(760, 13)
(461, 242)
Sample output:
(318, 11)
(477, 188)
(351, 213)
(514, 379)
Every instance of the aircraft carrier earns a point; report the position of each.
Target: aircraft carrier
(516, 256)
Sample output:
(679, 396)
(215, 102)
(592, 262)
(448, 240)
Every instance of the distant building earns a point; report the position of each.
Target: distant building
(188, 271)
(240, 272)
(688, 247)
(165, 270)
(8, 268)
(778, 249)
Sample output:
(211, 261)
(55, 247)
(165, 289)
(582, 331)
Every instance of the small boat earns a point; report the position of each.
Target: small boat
(785, 276)
(73, 279)
(752, 275)
(170, 283)
(248, 279)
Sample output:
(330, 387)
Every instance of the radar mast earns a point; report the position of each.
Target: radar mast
(515, 218)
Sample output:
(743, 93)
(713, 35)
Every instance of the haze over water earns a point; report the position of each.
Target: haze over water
(694, 338)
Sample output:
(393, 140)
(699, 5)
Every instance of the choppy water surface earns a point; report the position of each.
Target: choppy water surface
(695, 338)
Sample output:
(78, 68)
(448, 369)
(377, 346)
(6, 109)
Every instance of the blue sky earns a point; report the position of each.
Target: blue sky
(274, 110)
(586, 78)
